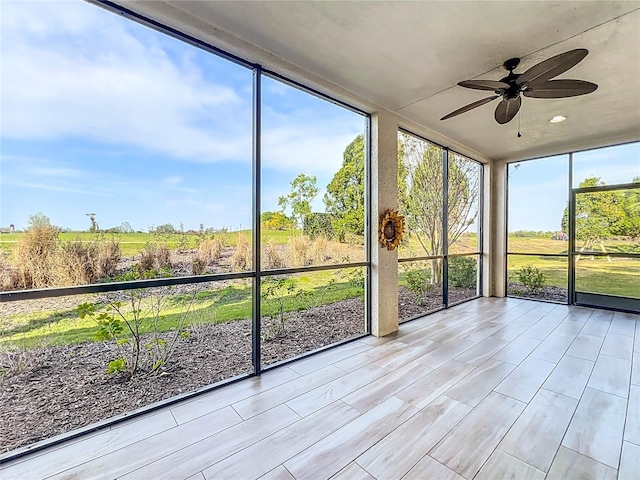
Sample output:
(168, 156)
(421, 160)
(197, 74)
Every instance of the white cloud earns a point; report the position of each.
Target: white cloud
(72, 70)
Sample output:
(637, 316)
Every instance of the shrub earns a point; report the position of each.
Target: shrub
(419, 282)
(463, 272)
(532, 278)
(298, 247)
(271, 258)
(124, 324)
(241, 258)
(319, 250)
(274, 292)
(33, 255)
(318, 224)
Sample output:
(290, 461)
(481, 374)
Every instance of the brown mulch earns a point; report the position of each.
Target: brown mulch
(64, 388)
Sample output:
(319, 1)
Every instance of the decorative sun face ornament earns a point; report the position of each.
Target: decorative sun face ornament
(391, 229)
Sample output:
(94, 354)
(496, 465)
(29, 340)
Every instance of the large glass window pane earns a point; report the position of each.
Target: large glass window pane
(68, 362)
(542, 278)
(538, 206)
(124, 152)
(418, 292)
(463, 204)
(420, 191)
(607, 166)
(313, 180)
(303, 312)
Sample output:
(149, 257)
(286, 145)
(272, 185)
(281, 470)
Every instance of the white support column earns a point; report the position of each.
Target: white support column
(495, 223)
(384, 195)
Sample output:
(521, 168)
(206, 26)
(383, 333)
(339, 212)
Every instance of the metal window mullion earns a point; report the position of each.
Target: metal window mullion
(481, 232)
(368, 224)
(445, 226)
(571, 268)
(255, 238)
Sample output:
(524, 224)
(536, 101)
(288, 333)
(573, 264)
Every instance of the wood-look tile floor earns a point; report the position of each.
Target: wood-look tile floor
(491, 389)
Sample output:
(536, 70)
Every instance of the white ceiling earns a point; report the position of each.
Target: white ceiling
(408, 56)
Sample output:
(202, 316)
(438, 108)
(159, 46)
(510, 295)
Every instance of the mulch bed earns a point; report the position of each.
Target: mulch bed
(549, 293)
(60, 389)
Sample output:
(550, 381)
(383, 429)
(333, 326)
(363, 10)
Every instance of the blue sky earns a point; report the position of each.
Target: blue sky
(538, 189)
(102, 115)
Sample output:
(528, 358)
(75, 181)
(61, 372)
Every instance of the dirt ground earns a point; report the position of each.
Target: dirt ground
(60, 389)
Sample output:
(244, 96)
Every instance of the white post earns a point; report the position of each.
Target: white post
(495, 223)
(384, 195)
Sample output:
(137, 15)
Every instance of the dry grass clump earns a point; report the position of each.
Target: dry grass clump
(298, 248)
(41, 261)
(241, 258)
(198, 267)
(320, 251)
(147, 260)
(209, 250)
(163, 256)
(74, 263)
(33, 257)
(109, 255)
(271, 258)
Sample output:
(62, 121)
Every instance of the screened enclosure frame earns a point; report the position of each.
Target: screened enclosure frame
(256, 273)
(569, 256)
(446, 255)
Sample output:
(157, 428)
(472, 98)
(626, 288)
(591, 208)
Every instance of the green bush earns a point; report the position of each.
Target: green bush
(419, 282)
(318, 225)
(463, 272)
(532, 278)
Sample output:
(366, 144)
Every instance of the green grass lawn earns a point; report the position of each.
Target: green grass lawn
(62, 327)
(620, 276)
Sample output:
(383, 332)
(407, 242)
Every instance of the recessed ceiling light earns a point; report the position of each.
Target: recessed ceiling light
(558, 119)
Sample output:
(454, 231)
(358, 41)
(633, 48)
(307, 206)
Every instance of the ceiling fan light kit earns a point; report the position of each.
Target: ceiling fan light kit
(536, 82)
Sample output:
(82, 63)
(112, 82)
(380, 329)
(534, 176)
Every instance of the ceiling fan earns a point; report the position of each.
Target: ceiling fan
(535, 83)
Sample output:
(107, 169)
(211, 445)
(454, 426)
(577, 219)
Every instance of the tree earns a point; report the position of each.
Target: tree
(420, 193)
(599, 215)
(275, 221)
(303, 191)
(94, 223)
(39, 220)
(344, 199)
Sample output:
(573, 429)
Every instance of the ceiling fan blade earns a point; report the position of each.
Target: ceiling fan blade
(552, 67)
(471, 106)
(484, 84)
(507, 109)
(560, 89)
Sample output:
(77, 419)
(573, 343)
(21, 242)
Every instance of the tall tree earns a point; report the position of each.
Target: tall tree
(344, 199)
(303, 191)
(421, 196)
(599, 215)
